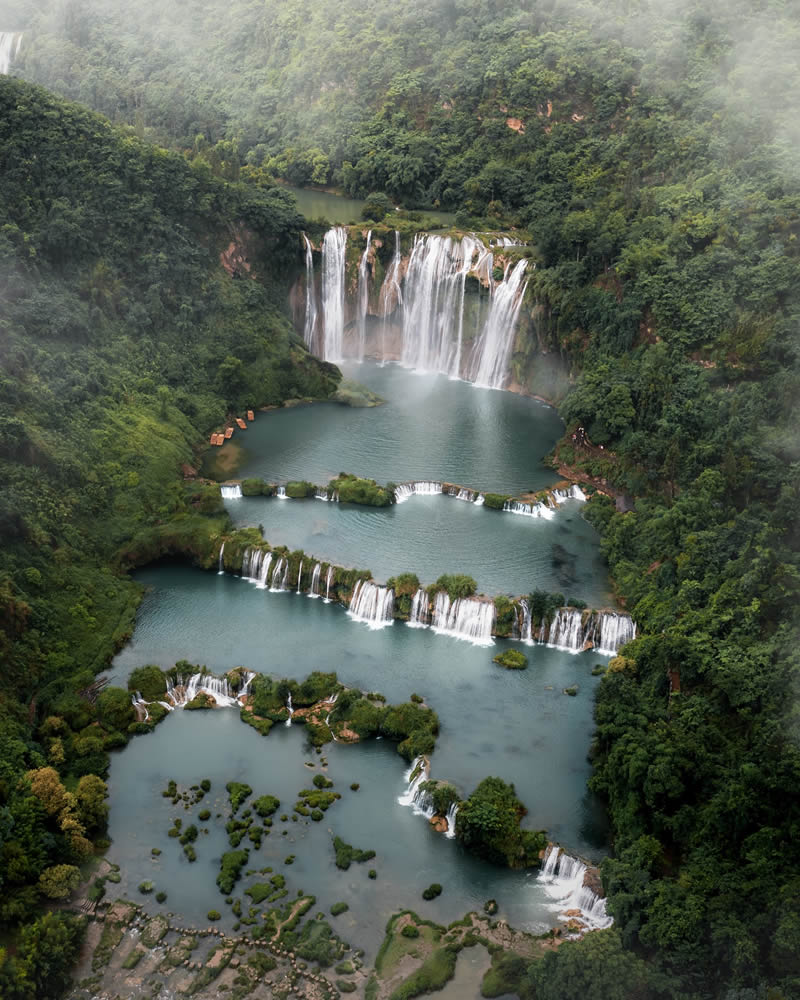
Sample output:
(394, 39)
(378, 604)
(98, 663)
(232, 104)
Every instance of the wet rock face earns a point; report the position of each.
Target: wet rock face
(591, 880)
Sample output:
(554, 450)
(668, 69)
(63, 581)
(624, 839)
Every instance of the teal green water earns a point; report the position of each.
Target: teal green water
(431, 427)
(517, 725)
(431, 535)
(342, 211)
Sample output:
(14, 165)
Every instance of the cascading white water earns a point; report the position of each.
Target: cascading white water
(220, 565)
(524, 623)
(528, 509)
(422, 488)
(615, 631)
(322, 495)
(310, 325)
(420, 614)
(464, 494)
(416, 775)
(452, 812)
(363, 297)
(465, 618)
(314, 591)
(391, 297)
(251, 564)
(280, 493)
(263, 576)
(280, 576)
(140, 704)
(299, 575)
(562, 877)
(231, 492)
(493, 348)
(480, 500)
(372, 604)
(183, 690)
(566, 632)
(333, 284)
(291, 710)
(328, 580)
(10, 42)
(433, 314)
(573, 493)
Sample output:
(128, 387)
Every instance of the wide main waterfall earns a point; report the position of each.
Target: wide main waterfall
(424, 317)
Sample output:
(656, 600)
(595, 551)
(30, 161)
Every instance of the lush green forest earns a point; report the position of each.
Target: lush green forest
(650, 152)
(123, 340)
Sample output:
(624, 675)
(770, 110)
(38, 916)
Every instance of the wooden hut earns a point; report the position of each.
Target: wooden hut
(220, 439)
(228, 432)
(213, 438)
(251, 415)
(241, 423)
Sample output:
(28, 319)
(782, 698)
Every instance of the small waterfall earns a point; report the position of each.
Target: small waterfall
(220, 565)
(433, 315)
(322, 495)
(566, 632)
(328, 580)
(452, 812)
(183, 690)
(280, 493)
(299, 575)
(140, 704)
(291, 710)
(280, 576)
(263, 576)
(573, 493)
(615, 631)
(311, 297)
(245, 688)
(372, 605)
(314, 591)
(420, 613)
(251, 564)
(421, 488)
(416, 775)
(523, 623)
(331, 702)
(10, 42)
(463, 494)
(391, 295)
(480, 500)
(231, 492)
(333, 284)
(528, 509)
(562, 877)
(363, 297)
(493, 348)
(465, 618)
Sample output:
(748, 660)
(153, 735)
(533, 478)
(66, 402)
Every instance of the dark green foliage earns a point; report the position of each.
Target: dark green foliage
(494, 501)
(299, 490)
(214, 915)
(442, 793)
(266, 805)
(320, 781)
(351, 489)
(231, 865)
(410, 931)
(201, 701)
(146, 887)
(433, 890)
(161, 897)
(511, 659)
(237, 793)
(346, 853)
(338, 908)
(488, 824)
(204, 814)
(437, 969)
(505, 975)
(149, 681)
(456, 584)
(316, 942)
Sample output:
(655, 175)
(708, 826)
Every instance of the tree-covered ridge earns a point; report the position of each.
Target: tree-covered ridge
(123, 338)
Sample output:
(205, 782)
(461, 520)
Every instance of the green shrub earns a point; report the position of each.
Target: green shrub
(161, 897)
(511, 659)
(146, 887)
(410, 931)
(433, 890)
(204, 814)
(231, 865)
(298, 490)
(346, 854)
(456, 584)
(437, 970)
(320, 781)
(372, 873)
(150, 681)
(214, 915)
(237, 792)
(338, 908)
(495, 501)
(266, 805)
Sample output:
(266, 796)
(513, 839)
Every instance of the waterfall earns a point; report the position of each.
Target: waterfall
(263, 576)
(291, 710)
(528, 509)
(480, 500)
(566, 632)
(420, 614)
(333, 282)
(463, 494)
(244, 689)
(416, 775)
(314, 591)
(251, 564)
(433, 314)
(422, 488)
(328, 585)
(280, 493)
(493, 348)
(372, 605)
(183, 690)
(231, 492)
(322, 495)
(280, 576)
(363, 297)
(221, 567)
(299, 575)
(524, 623)
(140, 704)
(563, 879)
(391, 295)
(10, 42)
(465, 618)
(615, 631)
(311, 297)
(573, 493)
(331, 701)
(452, 812)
